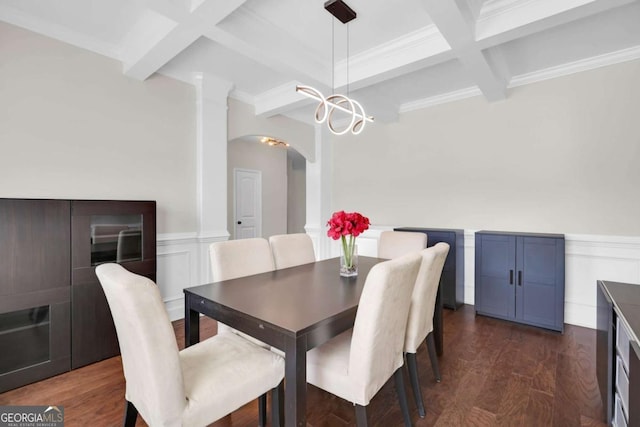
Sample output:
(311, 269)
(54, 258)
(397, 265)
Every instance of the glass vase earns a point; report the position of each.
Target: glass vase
(349, 261)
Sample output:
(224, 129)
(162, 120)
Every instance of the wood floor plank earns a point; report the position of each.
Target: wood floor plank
(539, 411)
(479, 418)
(493, 373)
(461, 401)
(515, 401)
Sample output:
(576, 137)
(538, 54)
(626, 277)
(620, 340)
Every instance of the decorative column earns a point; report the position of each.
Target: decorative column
(319, 193)
(211, 118)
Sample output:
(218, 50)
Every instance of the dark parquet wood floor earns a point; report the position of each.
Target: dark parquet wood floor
(494, 373)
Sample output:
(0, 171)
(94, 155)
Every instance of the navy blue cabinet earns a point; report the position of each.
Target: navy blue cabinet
(520, 277)
(452, 279)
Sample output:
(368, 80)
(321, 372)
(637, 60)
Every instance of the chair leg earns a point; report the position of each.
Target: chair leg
(361, 416)
(415, 383)
(130, 415)
(262, 410)
(277, 405)
(431, 346)
(402, 396)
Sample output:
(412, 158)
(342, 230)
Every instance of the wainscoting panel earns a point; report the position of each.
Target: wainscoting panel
(183, 261)
(592, 258)
(589, 258)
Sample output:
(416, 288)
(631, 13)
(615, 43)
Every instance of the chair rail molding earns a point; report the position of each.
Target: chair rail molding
(183, 261)
(182, 257)
(588, 258)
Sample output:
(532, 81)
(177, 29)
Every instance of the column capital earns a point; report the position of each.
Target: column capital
(211, 88)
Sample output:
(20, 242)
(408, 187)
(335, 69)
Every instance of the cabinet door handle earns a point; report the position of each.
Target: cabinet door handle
(520, 278)
(511, 277)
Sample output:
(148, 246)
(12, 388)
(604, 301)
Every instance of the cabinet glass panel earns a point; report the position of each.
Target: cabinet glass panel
(116, 238)
(24, 338)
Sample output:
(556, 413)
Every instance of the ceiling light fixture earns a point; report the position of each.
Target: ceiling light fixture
(272, 142)
(328, 105)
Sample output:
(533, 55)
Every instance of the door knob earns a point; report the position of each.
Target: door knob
(239, 222)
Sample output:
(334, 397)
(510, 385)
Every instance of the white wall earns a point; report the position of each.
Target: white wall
(272, 163)
(557, 156)
(242, 121)
(73, 126)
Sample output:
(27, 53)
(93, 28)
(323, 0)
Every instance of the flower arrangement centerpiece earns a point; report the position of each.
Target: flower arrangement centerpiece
(351, 224)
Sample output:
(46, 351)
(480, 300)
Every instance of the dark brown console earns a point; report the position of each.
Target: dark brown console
(53, 314)
(617, 352)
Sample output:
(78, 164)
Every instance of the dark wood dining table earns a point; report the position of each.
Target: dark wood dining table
(294, 309)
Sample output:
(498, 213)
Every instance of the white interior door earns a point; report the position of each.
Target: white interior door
(247, 188)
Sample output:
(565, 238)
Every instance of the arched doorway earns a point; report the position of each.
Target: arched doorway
(282, 172)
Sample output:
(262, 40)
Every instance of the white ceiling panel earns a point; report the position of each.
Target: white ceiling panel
(402, 54)
(590, 37)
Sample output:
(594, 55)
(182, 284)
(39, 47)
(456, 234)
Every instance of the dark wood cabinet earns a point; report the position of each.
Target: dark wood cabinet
(35, 300)
(452, 279)
(617, 352)
(93, 332)
(520, 277)
(53, 313)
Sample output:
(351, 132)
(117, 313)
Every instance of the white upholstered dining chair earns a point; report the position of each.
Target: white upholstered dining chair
(238, 258)
(290, 250)
(357, 363)
(192, 387)
(393, 244)
(420, 322)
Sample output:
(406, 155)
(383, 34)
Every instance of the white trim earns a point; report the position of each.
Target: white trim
(611, 58)
(167, 239)
(416, 46)
(443, 98)
(214, 236)
(183, 262)
(588, 258)
(494, 8)
(58, 32)
(242, 96)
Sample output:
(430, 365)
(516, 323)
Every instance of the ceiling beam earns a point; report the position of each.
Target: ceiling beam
(455, 26)
(520, 18)
(157, 38)
(393, 59)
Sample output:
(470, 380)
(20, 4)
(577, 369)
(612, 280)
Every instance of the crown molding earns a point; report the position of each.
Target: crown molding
(58, 32)
(624, 55)
(444, 98)
(415, 46)
(242, 96)
(492, 9)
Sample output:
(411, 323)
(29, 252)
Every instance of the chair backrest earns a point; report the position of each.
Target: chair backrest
(150, 358)
(377, 342)
(239, 258)
(423, 300)
(290, 250)
(393, 244)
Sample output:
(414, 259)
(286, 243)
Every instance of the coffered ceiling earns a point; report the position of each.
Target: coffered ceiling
(403, 54)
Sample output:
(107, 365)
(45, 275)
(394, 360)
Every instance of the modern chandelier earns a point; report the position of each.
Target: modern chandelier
(328, 105)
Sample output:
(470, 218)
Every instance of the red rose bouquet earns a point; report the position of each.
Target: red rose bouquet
(343, 224)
